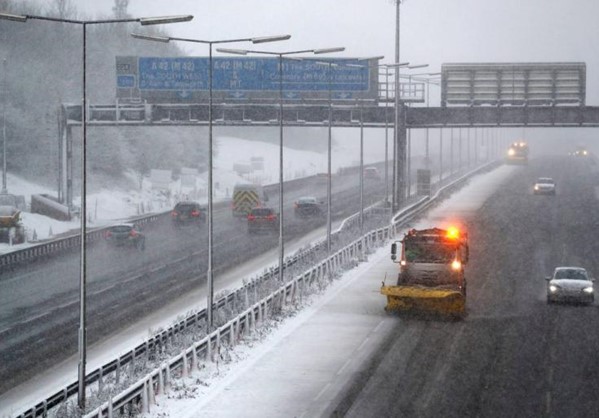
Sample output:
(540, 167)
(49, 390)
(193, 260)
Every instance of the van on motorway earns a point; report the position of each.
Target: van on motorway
(246, 197)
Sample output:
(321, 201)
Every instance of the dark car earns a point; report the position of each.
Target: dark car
(262, 220)
(186, 213)
(125, 235)
(307, 207)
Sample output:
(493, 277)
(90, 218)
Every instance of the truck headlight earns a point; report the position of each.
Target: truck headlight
(553, 288)
(536, 187)
(456, 265)
(588, 289)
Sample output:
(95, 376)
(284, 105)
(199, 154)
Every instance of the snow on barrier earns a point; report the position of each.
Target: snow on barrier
(139, 396)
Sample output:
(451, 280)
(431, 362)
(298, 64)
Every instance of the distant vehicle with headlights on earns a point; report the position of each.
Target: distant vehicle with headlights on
(544, 185)
(307, 207)
(581, 151)
(188, 212)
(517, 153)
(125, 235)
(570, 284)
(262, 220)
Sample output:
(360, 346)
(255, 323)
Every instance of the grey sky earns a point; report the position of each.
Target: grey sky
(432, 31)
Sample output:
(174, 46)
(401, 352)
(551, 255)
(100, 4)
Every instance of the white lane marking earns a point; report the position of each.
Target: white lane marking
(550, 371)
(379, 325)
(33, 318)
(66, 304)
(457, 338)
(484, 286)
(343, 367)
(363, 344)
(324, 389)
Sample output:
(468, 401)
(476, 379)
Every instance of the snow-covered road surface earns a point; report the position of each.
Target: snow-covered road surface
(303, 367)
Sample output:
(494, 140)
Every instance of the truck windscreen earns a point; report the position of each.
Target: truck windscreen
(417, 252)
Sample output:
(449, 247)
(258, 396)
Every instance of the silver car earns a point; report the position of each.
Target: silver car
(544, 185)
(570, 284)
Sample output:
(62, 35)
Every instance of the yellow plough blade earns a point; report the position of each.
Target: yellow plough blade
(423, 300)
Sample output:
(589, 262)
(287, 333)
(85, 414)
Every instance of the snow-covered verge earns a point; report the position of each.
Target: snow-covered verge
(107, 205)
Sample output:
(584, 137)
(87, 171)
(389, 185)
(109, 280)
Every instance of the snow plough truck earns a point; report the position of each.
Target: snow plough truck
(517, 153)
(431, 273)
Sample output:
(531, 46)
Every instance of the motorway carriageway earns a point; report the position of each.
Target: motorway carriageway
(63, 374)
(303, 368)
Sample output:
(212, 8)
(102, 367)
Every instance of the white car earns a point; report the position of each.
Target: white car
(570, 284)
(544, 185)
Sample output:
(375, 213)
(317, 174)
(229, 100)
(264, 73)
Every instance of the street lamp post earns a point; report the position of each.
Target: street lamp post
(477, 150)
(440, 155)
(82, 339)
(397, 131)
(406, 170)
(451, 141)
(428, 82)
(468, 163)
(395, 65)
(364, 67)
(4, 97)
(331, 65)
(280, 56)
(255, 40)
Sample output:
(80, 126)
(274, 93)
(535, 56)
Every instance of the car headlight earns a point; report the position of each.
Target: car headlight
(588, 289)
(553, 288)
(536, 187)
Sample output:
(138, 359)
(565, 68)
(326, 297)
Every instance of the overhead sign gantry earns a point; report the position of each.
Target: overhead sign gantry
(249, 79)
(513, 84)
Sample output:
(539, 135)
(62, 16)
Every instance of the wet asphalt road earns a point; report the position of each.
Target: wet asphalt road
(514, 355)
(39, 308)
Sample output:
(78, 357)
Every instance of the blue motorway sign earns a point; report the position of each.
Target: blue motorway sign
(125, 81)
(238, 74)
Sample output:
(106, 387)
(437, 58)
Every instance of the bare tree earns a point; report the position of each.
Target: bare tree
(64, 9)
(120, 9)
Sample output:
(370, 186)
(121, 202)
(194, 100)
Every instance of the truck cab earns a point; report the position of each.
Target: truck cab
(432, 258)
(431, 279)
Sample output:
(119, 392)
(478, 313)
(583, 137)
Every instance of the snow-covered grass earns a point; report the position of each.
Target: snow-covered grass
(107, 205)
